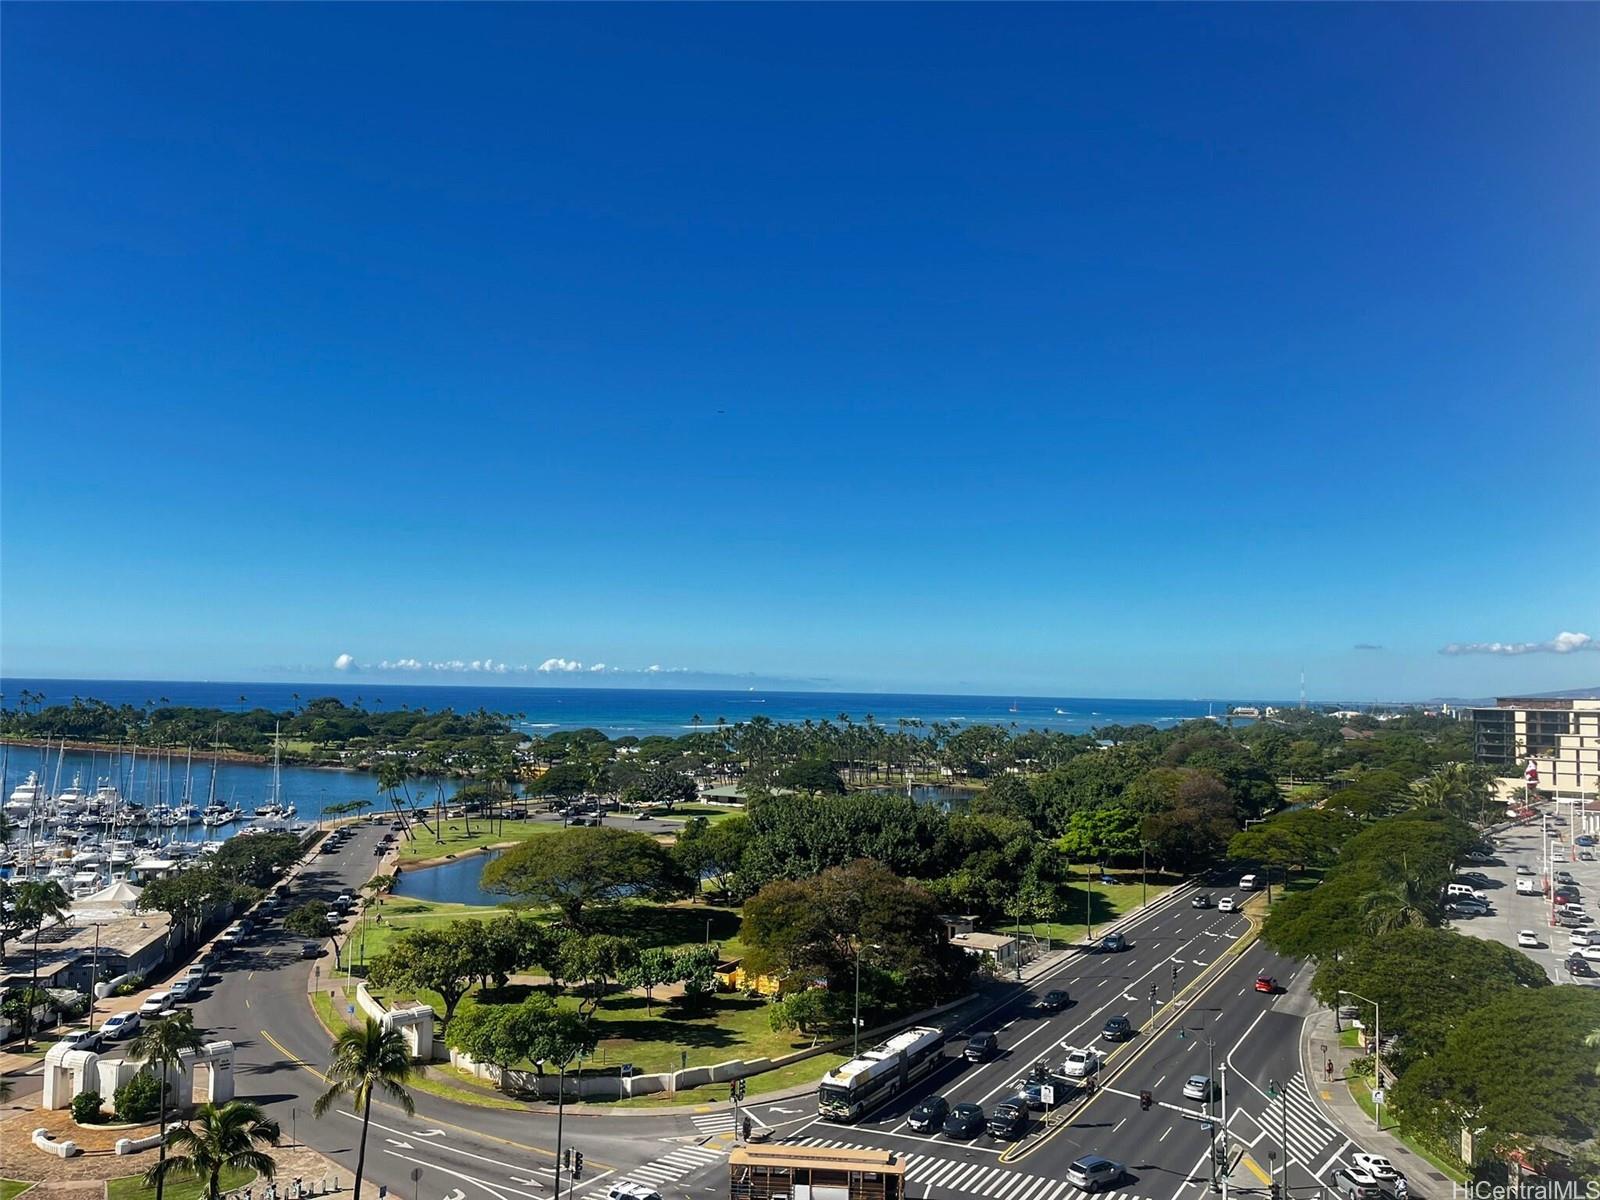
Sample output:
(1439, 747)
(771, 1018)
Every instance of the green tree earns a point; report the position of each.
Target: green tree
(1425, 980)
(309, 920)
(37, 903)
(1519, 1068)
(580, 869)
(220, 1137)
(594, 961)
(445, 961)
(664, 786)
(696, 968)
(814, 927)
(814, 776)
(257, 860)
(367, 1059)
(508, 1035)
(810, 1011)
(655, 966)
(162, 1045)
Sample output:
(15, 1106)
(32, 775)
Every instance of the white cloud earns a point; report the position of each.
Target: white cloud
(1562, 643)
(560, 664)
(598, 667)
(344, 662)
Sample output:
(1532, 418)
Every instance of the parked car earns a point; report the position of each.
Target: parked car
(1526, 937)
(1117, 1029)
(1200, 900)
(928, 1116)
(1525, 869)
(1093, 1172)
(1578, 965)
(198, 971)
(981, 1047)
(186, 989)
(1198, 1087)
(1054, 1000)
(1591, 953)
(963, 1121)
(1584, 839)
(155, 1004)
(310, 949)
(1113, 943)
(1227, 904)
(120, 1025)
(1586, 855)
(1564, 877)
(1009, 1118)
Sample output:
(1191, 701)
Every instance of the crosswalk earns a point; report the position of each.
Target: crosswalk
(681, 1161)
(986, 1178)
(1309, 1136)
(715, 1122)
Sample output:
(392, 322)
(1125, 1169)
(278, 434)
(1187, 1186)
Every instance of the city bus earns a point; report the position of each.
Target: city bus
(860, 1085)
(814, 1173)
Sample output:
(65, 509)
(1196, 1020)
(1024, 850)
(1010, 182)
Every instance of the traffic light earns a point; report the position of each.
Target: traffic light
(1276, 1194)
(733, 1091)
(1145, 1100)
(740, 1086)
(566, 1159)
(577, 1164)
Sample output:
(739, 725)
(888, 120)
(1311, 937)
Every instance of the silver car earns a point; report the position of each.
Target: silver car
(1198, 1088)
(1092, 1172)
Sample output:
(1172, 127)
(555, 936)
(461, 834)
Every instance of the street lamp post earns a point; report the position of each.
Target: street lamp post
(1377, 1055)
(1221, 1137)
(856, 1018)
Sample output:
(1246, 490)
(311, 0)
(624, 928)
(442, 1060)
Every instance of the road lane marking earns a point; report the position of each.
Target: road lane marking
(293, 1061)
(491, 1189)
(1164, 1133)
(1250, 1165)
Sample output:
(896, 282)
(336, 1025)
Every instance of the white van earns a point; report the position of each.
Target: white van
(1461, 889)
(1528, 887)
(1247, 883)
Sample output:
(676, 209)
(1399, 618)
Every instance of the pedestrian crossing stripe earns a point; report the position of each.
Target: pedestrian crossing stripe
(685, 1160)
(717, 1122)
(978, 1178)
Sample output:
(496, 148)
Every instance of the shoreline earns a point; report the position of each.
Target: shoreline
(238, 757)
(440, 860)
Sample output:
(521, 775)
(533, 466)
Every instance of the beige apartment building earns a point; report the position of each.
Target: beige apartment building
(1560, 738)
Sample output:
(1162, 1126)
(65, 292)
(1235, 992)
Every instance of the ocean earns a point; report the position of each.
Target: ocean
(619, 712)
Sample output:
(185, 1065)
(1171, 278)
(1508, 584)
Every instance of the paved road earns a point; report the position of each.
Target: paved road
(491, 1154)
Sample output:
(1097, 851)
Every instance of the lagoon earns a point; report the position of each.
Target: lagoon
(458, 882)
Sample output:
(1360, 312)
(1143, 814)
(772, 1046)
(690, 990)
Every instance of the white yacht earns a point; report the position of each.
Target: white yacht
(25, 797)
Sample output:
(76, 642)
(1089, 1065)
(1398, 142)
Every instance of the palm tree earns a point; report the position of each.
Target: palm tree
(366, 1059)
(1403, 903)
(36, 903)
(221, 1137)
(162, 1044)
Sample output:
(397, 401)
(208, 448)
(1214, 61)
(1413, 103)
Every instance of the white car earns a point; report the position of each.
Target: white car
(81, 1039)
(155, 1004)
(1080, 1064)
(1526, 937)
(627, 1189)
(1592, 953)
(1227, 904)
(185, 989)
(1578, 938)
(120, 1025)
(1376, 1165)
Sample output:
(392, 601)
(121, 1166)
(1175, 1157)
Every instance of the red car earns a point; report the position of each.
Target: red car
(1266, 983)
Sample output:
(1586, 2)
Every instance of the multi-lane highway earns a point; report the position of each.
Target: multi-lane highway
(1185, 982)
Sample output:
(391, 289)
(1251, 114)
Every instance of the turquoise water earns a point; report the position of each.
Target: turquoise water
(459, 882)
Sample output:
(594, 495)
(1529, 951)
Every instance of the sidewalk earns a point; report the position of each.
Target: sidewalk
(1331, 1095)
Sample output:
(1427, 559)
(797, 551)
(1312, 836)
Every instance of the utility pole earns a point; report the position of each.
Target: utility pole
(1220, 1142)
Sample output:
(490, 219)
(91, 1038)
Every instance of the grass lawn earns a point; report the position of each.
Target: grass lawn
(806, 1071)
(13, 1187)
(1107, 902)
(1362, 1094)
(132, 1187)
(401, 913)
(455, 839)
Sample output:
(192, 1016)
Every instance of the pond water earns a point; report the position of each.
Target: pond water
(458, 882)
(950, 799)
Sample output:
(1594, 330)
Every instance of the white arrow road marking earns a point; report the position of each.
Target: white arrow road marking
(430, 1133)
(499, 1193)
(398, 1142)
(456, 1194)
(529, 1182)
(775, 1108)
(442, 1146)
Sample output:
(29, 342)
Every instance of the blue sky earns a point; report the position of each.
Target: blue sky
(1057, 349)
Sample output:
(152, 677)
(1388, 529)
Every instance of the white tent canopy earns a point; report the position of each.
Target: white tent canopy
(120, 895)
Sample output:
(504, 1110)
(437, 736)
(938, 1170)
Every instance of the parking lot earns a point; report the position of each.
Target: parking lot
(1522, 845)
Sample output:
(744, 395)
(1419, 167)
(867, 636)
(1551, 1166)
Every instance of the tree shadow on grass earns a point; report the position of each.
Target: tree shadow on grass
(723, 1023)
(669, 924)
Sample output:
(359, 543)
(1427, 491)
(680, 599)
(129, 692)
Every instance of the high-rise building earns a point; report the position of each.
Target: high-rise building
(1559, 738)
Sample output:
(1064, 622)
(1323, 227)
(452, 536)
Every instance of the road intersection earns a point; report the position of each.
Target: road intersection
(1186, 981)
